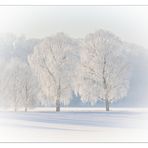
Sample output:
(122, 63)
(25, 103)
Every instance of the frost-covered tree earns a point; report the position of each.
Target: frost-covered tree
(11, 83)
(12, 46)
(3, 64)
(19, 87)
(53, 62)
(7, 45)
(29, 87)
(104, 68)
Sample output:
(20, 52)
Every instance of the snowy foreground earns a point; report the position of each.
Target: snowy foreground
(75, 125)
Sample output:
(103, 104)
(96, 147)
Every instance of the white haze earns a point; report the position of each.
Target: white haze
(128, 22)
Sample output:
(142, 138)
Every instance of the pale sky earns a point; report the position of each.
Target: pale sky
(128, 22)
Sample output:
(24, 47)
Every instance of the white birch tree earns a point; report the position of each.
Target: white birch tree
(53, 62)
(104, 69)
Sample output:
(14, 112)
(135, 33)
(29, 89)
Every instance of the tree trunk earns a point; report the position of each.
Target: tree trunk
(25, 109)
(57, 105)
(107, 104)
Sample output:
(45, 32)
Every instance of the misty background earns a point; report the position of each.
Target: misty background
(32, 23)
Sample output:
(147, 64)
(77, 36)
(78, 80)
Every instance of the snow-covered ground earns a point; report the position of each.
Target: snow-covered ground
(75, 125)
